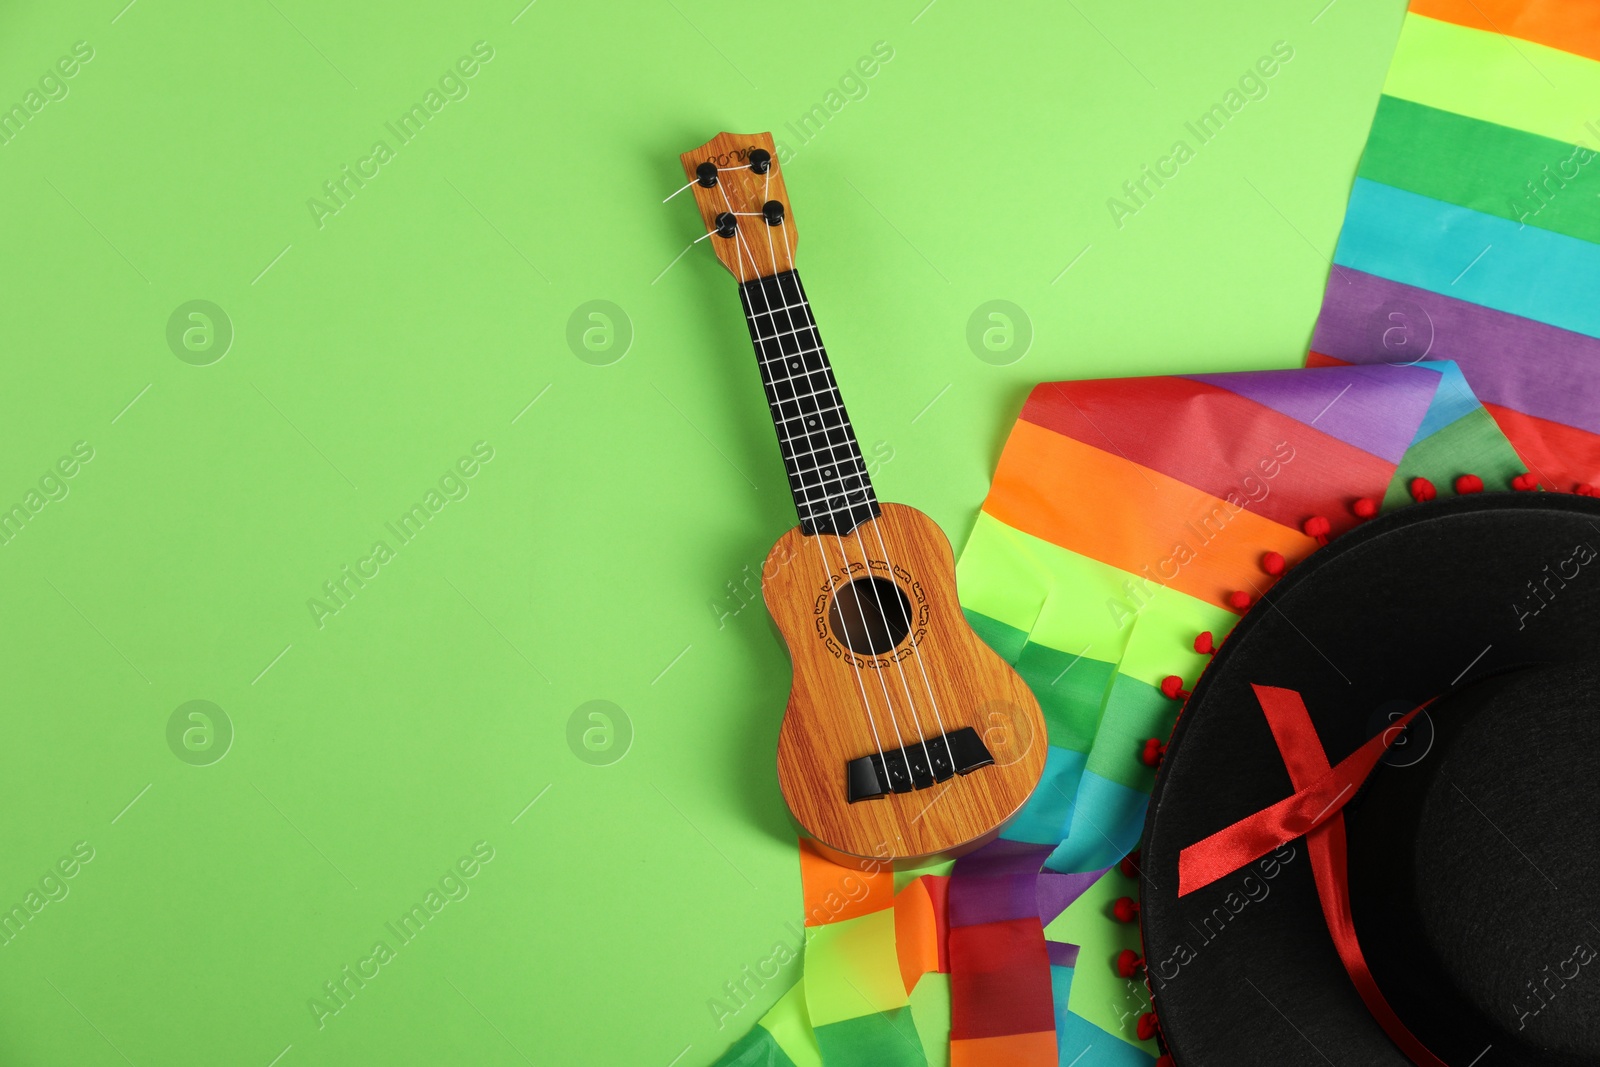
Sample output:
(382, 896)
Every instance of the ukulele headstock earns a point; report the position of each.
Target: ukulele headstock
(743, 203)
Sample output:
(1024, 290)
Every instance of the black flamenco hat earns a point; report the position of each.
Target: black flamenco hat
(1331, 875)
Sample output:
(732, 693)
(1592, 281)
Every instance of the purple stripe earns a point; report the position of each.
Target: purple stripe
(1376, 409)
(996, 883)
(1062, 953)
(1058, 891)
(1528, 366)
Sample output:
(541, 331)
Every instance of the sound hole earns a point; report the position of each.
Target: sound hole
(870, 616)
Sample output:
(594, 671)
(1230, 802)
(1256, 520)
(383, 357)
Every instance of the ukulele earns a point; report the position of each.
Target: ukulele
(906, 738)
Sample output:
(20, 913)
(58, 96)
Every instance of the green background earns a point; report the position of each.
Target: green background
(592, 556)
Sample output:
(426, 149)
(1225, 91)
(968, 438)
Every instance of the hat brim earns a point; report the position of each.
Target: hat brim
(1429, 597)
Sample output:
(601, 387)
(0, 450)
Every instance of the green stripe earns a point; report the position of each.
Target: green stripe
(1088, 706)
(1070, 689)
(755, 1049)
(1485, 167)
(930, 1007)
(1135, 711)
(1473, 444)
(1006, 640)
(882, 1039)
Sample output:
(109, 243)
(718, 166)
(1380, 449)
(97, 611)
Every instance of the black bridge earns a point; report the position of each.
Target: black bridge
(900, 770)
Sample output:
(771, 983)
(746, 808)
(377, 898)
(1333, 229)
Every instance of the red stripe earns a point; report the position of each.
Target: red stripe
(939, 893)
(999, 980)
(1560, 456)
(1156, 422)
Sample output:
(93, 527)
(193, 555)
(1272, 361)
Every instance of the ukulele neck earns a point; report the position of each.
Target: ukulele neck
(827, 475)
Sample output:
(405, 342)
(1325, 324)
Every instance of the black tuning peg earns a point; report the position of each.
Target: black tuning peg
(760, 160)
(706, 174)
(772, 211)
(727, 225)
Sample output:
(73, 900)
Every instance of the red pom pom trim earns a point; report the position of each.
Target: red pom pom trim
(1129, 864)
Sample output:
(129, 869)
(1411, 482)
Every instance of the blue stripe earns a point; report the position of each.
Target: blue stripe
(1107, 819)
(1045, 817)
(1453, 400)
(1079, 1042)
(1521, 270)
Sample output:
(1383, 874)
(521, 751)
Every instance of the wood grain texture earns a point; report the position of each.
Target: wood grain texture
(826, 723)
(759, 250)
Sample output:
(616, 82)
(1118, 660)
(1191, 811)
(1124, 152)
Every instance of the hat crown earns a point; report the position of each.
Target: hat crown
(1474, 871)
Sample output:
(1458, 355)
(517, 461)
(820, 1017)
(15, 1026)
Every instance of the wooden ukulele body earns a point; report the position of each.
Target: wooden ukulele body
(937, 679)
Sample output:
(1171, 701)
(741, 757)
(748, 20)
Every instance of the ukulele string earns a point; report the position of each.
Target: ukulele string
(833, 588)
(738, 236)
(877, 595)
(899, 661)
(805, 308)
(855, 594)
(916, 650)
(766, 194)
(861, 616)
(680, 189)
(916, 654)
(708, 233)
(899, 666)
(844, 555)
(772, 253)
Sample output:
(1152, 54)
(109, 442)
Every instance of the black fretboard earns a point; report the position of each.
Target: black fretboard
(827, 475)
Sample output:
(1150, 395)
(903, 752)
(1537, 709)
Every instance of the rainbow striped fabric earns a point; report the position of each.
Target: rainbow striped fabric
(1123, 517)
(1473, 230)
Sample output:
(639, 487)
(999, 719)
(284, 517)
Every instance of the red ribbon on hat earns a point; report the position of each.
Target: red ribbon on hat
(1313, 811)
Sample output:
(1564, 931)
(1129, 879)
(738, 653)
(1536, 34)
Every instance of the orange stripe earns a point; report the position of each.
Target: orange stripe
(1134, 518)
(1011, 1050)
(916, 933)
(1570, 25)
(1560, 456)
(832, 893)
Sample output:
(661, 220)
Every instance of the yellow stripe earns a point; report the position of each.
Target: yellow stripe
(1080, 606)
(1494, 78)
